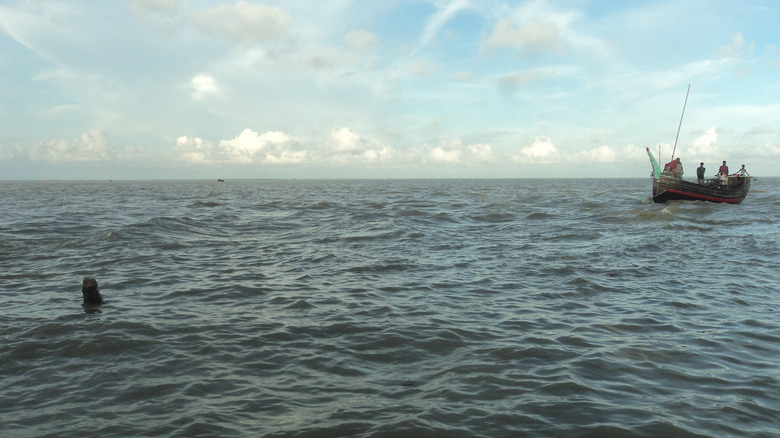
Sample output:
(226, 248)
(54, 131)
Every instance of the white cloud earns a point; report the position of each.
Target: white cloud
(453, 151)
(448, 152)
(704, 146)
(345, 147)
(541, 151)
(273, 147)
(538, 27)
(244, 22)
(334, 85)
(707, 139)
(249, 146)
(203, 86)
(440, 155)
(344, 140)
(384, 154)
(342, 147)
(194, 150)
(481, 153)
(89, 146)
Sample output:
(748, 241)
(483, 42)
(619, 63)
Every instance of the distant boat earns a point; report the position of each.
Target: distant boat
(220, 180)
(666, 187)
(668, 184)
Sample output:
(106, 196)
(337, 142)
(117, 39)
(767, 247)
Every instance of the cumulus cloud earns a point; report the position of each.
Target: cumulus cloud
(249, 146)
(707, 139)
(244, 22)
(481, 153)
(383, 154)
(273, 147)
(453, 151)
(344, 140)
(89, 146)
(346, 147)
(705, 145)
(194, 150)
(342, 147)
(442, 155)
(541, 151)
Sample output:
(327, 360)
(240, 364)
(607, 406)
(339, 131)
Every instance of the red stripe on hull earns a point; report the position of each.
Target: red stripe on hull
(706, 197)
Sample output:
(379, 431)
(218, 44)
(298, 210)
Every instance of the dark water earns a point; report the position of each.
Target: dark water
(435, 308)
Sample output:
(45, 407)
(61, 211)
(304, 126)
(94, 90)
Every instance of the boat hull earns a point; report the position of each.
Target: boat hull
(732, 191)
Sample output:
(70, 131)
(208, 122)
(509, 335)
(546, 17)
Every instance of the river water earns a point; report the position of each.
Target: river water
(370, 308)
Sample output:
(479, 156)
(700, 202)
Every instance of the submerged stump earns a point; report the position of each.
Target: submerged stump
(89, 290)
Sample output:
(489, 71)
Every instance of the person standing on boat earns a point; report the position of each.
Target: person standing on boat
(674, 168)
(678, 170)
(700, 172)
(742, 171)
(723, 170)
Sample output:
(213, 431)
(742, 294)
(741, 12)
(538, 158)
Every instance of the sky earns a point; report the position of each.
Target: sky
(197, 89)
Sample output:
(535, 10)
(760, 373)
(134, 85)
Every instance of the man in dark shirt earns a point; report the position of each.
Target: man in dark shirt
(700, 172)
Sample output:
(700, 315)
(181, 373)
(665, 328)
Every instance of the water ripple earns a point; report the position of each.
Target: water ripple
(387, 308)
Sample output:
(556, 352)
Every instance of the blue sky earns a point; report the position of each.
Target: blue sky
(158, 89)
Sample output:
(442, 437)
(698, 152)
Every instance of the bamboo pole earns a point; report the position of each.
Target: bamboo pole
(681, 119)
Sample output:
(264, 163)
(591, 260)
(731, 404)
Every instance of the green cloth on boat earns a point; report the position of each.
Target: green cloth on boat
(656, 167)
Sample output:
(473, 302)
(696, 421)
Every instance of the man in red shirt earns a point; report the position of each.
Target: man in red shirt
(723, 170)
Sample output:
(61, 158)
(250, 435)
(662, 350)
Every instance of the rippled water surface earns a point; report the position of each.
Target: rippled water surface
(430, 308)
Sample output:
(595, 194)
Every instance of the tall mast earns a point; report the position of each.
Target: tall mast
(681, 119)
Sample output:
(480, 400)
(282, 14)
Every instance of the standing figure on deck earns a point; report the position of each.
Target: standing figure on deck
(674, 168)
(742, 171)
(678, 170)
(700, 172)
(723, 170)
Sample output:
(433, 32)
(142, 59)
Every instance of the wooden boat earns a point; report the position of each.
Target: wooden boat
(666, 187)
